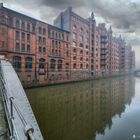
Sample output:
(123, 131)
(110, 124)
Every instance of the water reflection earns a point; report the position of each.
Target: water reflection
(80, 111)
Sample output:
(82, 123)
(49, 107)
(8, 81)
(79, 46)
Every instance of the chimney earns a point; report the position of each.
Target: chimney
(1, 5)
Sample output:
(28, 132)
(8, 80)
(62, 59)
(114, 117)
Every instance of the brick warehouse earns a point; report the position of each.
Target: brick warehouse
(73, 49)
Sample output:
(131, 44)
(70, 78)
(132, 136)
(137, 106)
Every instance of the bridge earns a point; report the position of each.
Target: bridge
(21, 120)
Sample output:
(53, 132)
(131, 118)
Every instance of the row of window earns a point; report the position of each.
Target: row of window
(81, 58)
(81, 66)
(58, 36)
(41, 49)
(23, 47)
(42, 40)
(80, 45)
(25, 26)
(81, 51)
(81, 38)
(81, 29)
(17, 63)
(23, 36)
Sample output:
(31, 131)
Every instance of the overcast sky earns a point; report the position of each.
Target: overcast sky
(123, 15)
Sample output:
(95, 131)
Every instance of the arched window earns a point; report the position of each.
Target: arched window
(17, 62)
(28, 63)
(74, 27)
(41, 63)
(59, 65)
(52, 65)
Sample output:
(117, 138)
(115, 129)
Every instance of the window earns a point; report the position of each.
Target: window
(81, 38)
(52, 66)
(81, 58)
(33, 28)
(23, 47)
(59, 44)
(74, 44)
(41, 63)
(67, 37)
(62, 36)
(86, 66)
(81, 30)
(81, 66)
(59, 36)
(17, 35)
(86, 46)
(17, 47)
(87, 40)
(56, 43)
(28, 37)
(44, 49)
(28, 27)
(40, 30)
(81, 44)
(44, 41)
(44, 31)
(23, 36)
(3, 44)
(53, 43)
(74, 58)
(74, 27)
(28, 48)
(74, 50)
(56, 35)
(67, 67)
(28, 63)
(59, 65)
(74, 36)
(40, 49)
(40, 40)
(17, 24)
(53, 34)
(17, 62)
(74, 66)
(81, 51)
(23, 25)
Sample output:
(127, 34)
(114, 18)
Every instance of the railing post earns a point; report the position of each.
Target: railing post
(12, 137)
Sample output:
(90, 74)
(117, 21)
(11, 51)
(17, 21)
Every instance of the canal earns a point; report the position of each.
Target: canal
(107, 109)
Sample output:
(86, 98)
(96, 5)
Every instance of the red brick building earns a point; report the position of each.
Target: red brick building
(38, 51)
(73, 49)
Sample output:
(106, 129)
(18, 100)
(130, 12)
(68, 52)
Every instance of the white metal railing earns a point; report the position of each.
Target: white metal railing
(10, 109)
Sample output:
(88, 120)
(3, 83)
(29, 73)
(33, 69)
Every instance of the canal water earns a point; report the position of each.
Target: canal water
(107, 109)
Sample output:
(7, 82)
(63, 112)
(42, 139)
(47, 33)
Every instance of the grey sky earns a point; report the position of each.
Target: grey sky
(123, 15)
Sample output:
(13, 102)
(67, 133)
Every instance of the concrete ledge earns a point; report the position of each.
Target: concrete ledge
(37, 84)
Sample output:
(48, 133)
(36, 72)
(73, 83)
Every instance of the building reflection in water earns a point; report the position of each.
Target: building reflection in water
(81, 110)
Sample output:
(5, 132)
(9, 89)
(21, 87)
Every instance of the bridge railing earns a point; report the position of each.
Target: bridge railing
(10, 109)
